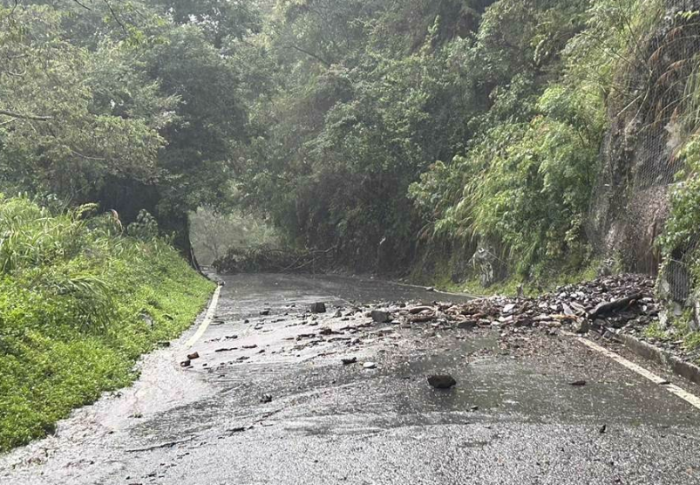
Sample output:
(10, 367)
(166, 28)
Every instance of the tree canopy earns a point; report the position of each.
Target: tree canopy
(372, 129)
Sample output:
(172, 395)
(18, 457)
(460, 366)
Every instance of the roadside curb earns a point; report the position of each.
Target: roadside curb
(647, 351)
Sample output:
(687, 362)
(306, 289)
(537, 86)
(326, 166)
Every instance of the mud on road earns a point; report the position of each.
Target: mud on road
(279, 395)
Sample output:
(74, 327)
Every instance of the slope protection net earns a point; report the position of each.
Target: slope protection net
(640, 154)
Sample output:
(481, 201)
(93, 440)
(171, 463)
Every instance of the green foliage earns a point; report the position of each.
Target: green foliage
(655, 331)
(680, 242)
(424, 120)
(535, 193)
(145, 227)
(51, 136)
(135, 106)
(524, 184)
(79, 303)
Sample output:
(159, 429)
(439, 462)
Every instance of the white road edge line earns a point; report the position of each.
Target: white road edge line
(672, 388)
(207, 319)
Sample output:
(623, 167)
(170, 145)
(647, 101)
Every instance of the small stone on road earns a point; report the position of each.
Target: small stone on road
(445, 381)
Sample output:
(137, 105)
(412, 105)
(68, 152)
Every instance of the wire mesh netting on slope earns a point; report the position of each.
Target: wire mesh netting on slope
(649, 125)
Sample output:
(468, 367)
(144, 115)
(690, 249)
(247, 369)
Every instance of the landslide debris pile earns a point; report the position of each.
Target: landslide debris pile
(610, 302)
(273, 260)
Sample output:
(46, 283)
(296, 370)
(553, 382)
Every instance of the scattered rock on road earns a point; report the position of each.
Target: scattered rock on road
(318, 307)
(349, 360)
(369, 365)
(467, 325)
(193, 356)
(185, 363)
(381, 316)
(266, 398)
(444, 381)
(580, 383)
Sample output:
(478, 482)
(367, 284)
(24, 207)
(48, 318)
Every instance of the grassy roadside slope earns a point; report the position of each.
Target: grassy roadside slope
(79, 303)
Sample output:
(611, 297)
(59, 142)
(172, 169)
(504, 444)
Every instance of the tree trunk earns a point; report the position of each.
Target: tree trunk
(128, 198)
(179, 226)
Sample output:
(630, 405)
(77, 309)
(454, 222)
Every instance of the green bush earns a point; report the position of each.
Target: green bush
(79, 303)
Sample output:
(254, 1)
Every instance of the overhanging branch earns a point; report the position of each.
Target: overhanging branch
(20, 116)
(311, 54)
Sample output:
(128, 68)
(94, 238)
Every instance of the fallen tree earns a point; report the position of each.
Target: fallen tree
(265, 259)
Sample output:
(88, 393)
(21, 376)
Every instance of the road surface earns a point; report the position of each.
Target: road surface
(270, 402)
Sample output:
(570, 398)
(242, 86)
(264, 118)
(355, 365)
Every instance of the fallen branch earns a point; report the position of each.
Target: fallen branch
(422, 318)
(12, 114)
(420, 309)
(612, 306)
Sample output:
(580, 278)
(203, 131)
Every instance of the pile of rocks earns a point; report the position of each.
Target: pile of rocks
(607, 302)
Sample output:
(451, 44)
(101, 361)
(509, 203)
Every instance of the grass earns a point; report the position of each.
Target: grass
(680, 329)
(79, 304)
(683, 330)
(657, 332)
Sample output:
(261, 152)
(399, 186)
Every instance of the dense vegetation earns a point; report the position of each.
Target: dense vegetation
(132, 106)
(80, 301)
(416, 134)
(401, 130)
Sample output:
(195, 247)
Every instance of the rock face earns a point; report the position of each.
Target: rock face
(381, 316)
(318, 307)
(630, 203)
(442, 381)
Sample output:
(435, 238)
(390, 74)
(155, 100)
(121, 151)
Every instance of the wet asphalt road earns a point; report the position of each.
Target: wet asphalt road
(514, 418)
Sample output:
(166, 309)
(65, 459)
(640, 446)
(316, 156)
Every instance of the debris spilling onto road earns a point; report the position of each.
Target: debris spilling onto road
(607, 302)
(607, 305)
